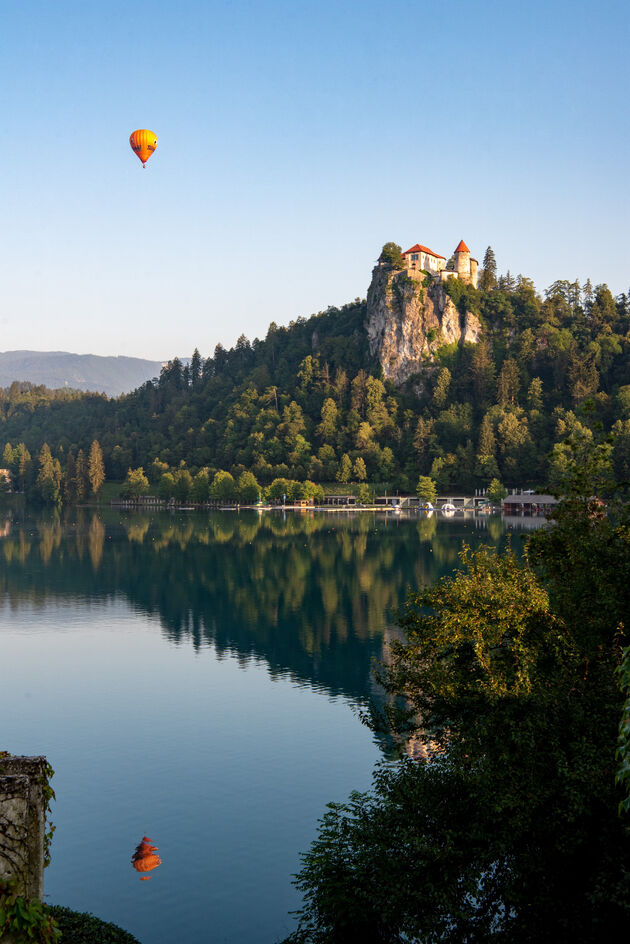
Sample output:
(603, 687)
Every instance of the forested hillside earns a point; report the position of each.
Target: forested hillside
(308, 402)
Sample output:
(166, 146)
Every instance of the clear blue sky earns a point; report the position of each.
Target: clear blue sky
(295, 138)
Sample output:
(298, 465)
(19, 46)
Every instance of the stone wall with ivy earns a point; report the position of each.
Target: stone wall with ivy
(23, 802)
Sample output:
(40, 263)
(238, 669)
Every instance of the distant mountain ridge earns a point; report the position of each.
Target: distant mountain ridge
(110, 375)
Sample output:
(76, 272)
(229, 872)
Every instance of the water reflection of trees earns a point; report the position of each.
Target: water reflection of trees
(309, 594)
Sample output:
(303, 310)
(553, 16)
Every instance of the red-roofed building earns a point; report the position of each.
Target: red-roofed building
(421, 257)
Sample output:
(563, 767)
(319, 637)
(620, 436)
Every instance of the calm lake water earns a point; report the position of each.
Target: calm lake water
(196, 679)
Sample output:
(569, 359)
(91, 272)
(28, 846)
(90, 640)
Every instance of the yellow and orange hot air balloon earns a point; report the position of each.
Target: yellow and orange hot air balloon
(143, 143)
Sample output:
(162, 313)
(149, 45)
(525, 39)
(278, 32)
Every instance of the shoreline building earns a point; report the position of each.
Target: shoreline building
(420, 258)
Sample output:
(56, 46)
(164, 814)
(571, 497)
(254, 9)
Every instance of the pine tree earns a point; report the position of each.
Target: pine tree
(95, 468)
(422, 440)
(328, 428)
(195, 368)
(506, 283)
(345, 468)
(24, 466)
(440, 392)
(69, 483)
(487, 442)
(49, 476)
(81, 482)
(481, 371)
(486, 466)
(359, 470)
(535, 394)
(488, 276)
(508, 383)
(587, 295)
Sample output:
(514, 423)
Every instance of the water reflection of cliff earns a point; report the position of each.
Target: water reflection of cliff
(311, 595)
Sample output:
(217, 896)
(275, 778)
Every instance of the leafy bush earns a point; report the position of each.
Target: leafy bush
(464, 296)
(83, 928)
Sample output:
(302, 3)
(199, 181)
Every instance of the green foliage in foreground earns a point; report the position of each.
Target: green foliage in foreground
(25, 920)
(512, 827)
(83, 928)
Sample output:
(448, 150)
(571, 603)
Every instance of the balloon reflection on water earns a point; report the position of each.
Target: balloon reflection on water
(144, 858)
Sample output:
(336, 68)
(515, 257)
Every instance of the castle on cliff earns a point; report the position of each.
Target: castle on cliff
(464, 266)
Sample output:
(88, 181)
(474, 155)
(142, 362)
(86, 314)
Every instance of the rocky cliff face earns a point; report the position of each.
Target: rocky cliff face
(407, 321)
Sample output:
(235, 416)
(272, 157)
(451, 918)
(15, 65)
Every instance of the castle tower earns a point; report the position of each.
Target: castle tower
(465, 267)
(462, 260)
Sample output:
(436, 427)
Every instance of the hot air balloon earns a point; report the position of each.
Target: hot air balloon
(144, 143)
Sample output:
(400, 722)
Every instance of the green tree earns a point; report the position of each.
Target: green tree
(201, 486)
(223, 486)
(364, 436)
(183, 484)
(195, 369)
(487, 443)
(496, 492)
(345, 468)
(157, 470)
(24, 467)
(425, 489)
(359, 472)
(391, 255)
(69, 480)
(509, 829)
(535, 394)
(508, 384)
(328, 458)
(136, 483)
(423, 439)
(49, 477)
(328, 428)
(81, 482)
(481, 372)
(316, 492)
(279, 489)
(387, 463)
(247, 488)
(364, 495)
(442, 385)
(166, 487)
(488, 274)
(95, 468)
(587, 295)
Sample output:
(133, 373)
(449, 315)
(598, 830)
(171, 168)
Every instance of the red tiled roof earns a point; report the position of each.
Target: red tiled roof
(419, 248)
(462, 247)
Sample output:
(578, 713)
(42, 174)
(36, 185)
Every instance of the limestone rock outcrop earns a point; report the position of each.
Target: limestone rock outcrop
(408, 320)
